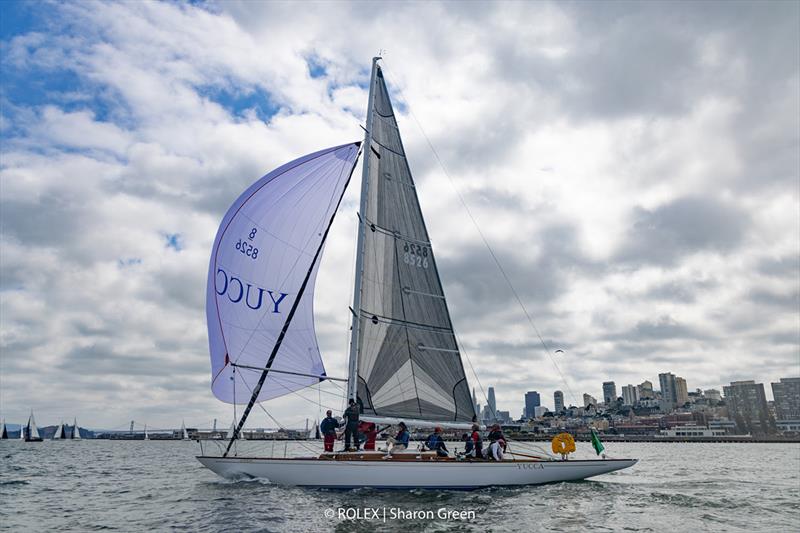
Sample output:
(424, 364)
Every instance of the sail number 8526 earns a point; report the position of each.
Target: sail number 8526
(246, 248)
(415, 255)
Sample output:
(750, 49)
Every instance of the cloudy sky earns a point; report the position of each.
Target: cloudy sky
(634, 167)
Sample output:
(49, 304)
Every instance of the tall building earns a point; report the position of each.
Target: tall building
(475, 402)
(532, 401)
(492, 405)
(681, 392)
(747, 406)
(787, 398)
(558, 401)
(609, 392)
(630, 394)
(645, 389)
(589, 400)
(669, 393)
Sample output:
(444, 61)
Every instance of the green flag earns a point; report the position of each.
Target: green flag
(596, 444)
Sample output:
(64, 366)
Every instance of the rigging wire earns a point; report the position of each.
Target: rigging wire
(485, 242)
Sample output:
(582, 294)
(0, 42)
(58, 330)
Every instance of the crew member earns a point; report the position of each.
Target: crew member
(370, 433)
(351, 426)
(400, 441)
(436, 443)
(477, 443)
(328, 428)
(498, 443)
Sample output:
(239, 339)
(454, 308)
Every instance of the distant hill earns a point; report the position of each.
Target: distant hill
(47, 432)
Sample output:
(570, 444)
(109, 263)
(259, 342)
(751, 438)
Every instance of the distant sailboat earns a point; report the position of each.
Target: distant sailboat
(3, 431)
(76, 431)
(60, 433)
(31, 431)
(184, 433)
(146, 436)
(22, 433)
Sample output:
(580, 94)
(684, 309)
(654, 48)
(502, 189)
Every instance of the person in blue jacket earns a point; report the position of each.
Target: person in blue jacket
(400, 441)
(436, 443)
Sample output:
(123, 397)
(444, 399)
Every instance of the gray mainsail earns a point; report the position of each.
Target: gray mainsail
(407, 361)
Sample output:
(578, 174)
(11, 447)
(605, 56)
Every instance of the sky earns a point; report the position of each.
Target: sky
(635, 168)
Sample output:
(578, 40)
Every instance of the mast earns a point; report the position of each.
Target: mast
(352, 367)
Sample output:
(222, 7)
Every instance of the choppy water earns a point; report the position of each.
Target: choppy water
(138, 485)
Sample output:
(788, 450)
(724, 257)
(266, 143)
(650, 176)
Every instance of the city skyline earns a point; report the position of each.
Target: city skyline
(648, 222)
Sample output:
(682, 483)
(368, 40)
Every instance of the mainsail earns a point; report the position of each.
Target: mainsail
(408, 361)
(60, 434)
(76, 431)
(32, 430)
(263, 254)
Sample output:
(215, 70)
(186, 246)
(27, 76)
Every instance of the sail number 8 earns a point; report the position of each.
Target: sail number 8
(246, 248)
(415, 255)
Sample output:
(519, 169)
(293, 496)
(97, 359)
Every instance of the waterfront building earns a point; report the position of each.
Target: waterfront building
(645, 389)
(787, 399)
(692, 431)
(681, 391)
(558, 400)
(669, 393)
(589, 400)
(747, 406)
(609, 393)
(532, 401)
(630, 395)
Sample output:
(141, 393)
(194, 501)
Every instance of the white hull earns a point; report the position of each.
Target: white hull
(313, 472)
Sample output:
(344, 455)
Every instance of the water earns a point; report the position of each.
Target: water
(139, 485)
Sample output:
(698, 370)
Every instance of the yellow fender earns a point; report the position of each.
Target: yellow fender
(563, 443)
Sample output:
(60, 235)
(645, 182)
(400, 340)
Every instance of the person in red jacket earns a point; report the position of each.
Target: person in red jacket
(369, 431)
(477, 443)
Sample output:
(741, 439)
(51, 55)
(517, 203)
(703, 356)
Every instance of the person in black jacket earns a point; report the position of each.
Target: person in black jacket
(351, 426)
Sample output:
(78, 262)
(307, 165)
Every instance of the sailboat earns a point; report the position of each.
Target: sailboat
(404, 362)
(184, 433)
(31, 431)
(3, 430)
(76, 431)
(146, 436)
(60, 432)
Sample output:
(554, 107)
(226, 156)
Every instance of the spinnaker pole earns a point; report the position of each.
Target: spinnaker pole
(352, 367)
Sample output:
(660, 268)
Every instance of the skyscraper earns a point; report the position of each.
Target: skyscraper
(630, 395)
(558, 401)
(609, 392)
(787, 398)
(475, 402)
(492, 405)
(747, 406)
(681, 391)
(532, 401)
(669, 394)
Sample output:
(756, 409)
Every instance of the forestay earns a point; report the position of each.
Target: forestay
(263, 250)
(409, 364)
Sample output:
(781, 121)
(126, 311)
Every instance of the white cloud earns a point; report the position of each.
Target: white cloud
(563, 126)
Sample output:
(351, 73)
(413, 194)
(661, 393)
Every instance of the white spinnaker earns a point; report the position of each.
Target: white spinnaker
(263, 250)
